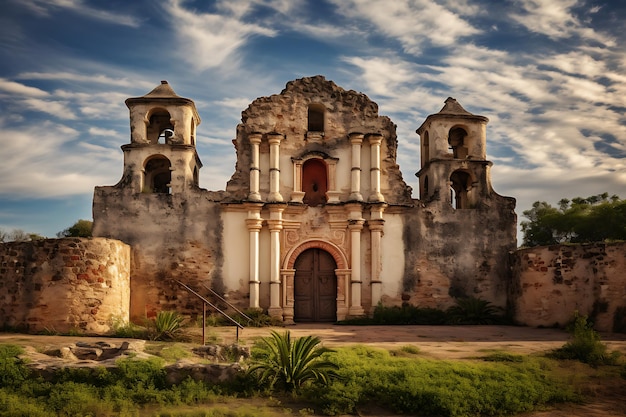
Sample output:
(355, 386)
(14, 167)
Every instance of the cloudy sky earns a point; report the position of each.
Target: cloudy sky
(549, 74)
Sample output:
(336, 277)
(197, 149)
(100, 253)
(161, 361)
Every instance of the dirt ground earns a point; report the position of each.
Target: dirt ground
(437, 342)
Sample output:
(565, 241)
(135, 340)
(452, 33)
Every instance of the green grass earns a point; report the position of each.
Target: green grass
(435, 387)
(399, 381)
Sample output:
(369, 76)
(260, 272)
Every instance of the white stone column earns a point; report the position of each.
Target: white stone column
(375, 141)
(356, 139)
(376, 225)
(355, 225)
(275, 224)
(288, 276)
(254, 223)
(255, 168)
(274, 140)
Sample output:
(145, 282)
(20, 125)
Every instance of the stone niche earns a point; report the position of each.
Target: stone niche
(63, 285)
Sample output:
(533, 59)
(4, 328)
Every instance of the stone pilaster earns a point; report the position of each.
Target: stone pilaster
(355, 225)
(288, 276)
(255, 168)
(343, 290)
(376, 227)
(297, 195)
(375, 141)
(356, 139)
(254, 224)
(274, 140)
(275, 224)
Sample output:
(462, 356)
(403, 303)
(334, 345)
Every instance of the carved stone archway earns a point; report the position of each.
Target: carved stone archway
(342, 272)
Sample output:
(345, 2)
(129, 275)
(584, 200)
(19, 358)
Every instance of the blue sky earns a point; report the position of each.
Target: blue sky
(549, 74)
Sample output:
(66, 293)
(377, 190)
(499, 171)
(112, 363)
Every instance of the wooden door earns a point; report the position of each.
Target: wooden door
(315, 287)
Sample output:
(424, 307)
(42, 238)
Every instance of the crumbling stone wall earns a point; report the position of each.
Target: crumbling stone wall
(64, 284)
(346, 111)
(458, 253)
(174, 237)
(550, 283)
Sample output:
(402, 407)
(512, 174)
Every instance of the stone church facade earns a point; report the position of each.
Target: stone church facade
(316, 223)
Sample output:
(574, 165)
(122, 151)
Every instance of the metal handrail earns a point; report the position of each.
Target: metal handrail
(235, 322)
(228, 304)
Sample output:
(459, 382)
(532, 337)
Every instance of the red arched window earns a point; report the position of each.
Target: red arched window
(314, 182)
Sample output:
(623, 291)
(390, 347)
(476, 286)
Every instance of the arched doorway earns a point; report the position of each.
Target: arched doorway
(315, 287)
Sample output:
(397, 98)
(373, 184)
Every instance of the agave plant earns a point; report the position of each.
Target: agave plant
(472, 310)
(281, 362)
(167, 324)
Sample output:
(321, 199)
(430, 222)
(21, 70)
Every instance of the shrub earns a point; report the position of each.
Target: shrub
(401, 315)
(471, 310)
(167, 325)
(258, 317)
(280, 362)
(585, 345)
(12, 369)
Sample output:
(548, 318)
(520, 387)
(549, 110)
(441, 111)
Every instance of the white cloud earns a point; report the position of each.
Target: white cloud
(47, 7)
(98, 131)
(412, 22)
(57, 109)
(236, 103)
(86, 78)
(554, 19)
(19, 89)
(45, 162)
(208, 40)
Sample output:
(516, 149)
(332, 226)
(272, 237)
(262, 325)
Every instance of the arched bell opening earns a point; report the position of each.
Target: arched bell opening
(160, 128)
(457, 141)
(460, 189)
(157, 175)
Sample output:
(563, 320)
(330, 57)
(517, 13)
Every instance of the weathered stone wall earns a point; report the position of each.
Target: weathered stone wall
(458, 253)
(550, 283)
(64, 284)
(174, 237)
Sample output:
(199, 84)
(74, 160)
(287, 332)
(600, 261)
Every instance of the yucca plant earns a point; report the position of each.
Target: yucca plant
(167, 324)
(472, 310)
(287, 364)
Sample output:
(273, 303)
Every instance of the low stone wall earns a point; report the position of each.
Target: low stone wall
(63, 285)
(550, 283)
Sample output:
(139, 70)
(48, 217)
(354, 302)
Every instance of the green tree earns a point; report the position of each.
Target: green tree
(18, 235)
(281, 362)
(82, 228)
(580, 220)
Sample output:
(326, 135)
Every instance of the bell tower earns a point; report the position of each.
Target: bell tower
(161, 156)
(453, 157)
